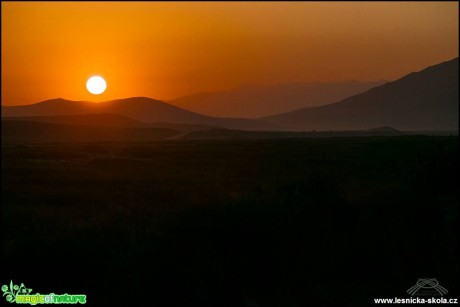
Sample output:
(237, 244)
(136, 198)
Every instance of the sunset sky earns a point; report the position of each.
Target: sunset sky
(166, 50)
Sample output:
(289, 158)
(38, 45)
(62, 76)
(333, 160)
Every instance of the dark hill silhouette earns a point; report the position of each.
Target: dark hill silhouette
(182, 127)
(425, 100)
(100, 120)
(252, 101)
(138, 108)
(108, 120)
(384, 129)
(228, 134)
(23, 132)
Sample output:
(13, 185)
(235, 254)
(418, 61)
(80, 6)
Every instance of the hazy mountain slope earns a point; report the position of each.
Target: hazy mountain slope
(425, 100)
(257, 101)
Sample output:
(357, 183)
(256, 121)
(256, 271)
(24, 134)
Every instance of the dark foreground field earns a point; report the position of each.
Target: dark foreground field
(232, 223)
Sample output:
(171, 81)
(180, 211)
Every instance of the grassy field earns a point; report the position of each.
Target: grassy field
(232, 223)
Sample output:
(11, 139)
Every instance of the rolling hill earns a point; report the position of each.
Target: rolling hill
(424, 100)
(256, 101)
(108, 120)
(138, 108)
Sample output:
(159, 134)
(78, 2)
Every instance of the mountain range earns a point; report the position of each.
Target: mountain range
(427, 100)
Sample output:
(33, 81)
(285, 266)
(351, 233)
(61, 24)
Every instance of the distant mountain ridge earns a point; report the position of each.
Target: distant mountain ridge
(424, 100)
(252, 101)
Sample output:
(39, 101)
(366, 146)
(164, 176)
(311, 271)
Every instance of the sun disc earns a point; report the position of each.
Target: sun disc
(96, 85)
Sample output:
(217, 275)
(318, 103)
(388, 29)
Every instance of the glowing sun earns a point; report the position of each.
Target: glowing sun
(96, 85)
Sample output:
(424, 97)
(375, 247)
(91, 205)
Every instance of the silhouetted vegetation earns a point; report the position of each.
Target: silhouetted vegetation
(284, 222)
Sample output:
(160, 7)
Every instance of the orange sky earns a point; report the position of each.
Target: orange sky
(166, 50)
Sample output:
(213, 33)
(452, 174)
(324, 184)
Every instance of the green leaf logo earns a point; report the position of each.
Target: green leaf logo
(13, 290)
(9, 292)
